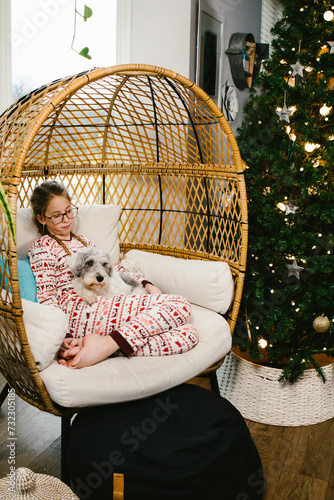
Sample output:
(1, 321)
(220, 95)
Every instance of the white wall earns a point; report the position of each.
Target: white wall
(5, 56)
(164, 32)
(157, 32)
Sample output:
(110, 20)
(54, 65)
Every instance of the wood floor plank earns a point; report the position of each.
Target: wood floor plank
(297, 487)
(330, 488)
(49, 461)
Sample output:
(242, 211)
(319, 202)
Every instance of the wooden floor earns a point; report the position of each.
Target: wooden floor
(298, 461)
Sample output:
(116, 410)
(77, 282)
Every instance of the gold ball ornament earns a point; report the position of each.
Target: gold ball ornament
(321, 324)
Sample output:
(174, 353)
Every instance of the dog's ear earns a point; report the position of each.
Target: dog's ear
(108, 264)
(76, 263)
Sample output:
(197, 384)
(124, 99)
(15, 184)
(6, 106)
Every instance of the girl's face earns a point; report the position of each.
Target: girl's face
(58, 206)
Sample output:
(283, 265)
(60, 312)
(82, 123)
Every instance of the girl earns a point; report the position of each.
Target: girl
(141, 325)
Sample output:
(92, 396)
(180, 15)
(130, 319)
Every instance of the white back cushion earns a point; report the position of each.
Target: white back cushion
(99, 223)
(205, 283)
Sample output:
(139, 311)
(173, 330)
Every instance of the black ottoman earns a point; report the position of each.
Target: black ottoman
(186, 443)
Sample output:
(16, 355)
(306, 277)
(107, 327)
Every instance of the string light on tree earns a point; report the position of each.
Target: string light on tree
(325, 110)
(310, 147)
(329, 15)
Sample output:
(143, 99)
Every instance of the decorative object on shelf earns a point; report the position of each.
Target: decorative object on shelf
(255, 391)
(245, 58)
(230, 105)
(24, 484)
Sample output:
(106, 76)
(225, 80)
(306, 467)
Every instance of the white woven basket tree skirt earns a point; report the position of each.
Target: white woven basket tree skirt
(255, 391)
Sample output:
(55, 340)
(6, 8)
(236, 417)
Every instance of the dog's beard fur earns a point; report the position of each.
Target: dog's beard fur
(94, 275)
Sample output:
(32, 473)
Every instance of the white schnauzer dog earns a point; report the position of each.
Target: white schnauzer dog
(94, 274)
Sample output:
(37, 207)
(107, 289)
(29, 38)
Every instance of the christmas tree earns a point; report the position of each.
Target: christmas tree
(287, 142)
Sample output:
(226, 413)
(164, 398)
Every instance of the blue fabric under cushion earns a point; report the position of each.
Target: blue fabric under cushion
(26, 279)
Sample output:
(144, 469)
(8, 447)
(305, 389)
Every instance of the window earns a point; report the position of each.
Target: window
(42, 34)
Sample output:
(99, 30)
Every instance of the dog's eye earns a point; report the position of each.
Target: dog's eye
(89, 263)
(105, 264)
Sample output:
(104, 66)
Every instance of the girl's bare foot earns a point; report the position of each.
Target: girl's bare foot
(95, 348)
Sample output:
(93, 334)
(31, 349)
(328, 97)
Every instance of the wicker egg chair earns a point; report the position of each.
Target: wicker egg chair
(138, 136)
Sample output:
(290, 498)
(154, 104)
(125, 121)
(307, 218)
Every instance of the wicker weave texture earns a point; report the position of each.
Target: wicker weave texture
(255, 391)
(144, 138)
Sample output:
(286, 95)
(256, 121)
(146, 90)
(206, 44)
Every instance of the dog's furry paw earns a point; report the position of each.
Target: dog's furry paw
(131, 266)
(88, 297)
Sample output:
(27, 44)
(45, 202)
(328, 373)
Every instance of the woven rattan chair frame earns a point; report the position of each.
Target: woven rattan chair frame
(139, 136)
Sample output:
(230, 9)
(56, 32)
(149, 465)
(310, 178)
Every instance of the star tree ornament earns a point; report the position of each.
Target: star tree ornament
(294, 269)
(297, 69)
(284, 113)
(290, 208)
(332, 47)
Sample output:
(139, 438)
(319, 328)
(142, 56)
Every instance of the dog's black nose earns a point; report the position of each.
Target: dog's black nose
(99, 278)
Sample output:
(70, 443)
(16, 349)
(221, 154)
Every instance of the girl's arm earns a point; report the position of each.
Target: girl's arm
(43, 265)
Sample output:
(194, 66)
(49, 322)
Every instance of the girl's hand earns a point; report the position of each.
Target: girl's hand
(152, 289)
(69, 348)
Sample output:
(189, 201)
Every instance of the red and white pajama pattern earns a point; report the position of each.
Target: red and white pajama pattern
(142, 325)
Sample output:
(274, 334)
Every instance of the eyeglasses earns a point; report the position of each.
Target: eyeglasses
(58, 218)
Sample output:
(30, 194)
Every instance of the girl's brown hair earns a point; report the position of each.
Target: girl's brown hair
(41, 197)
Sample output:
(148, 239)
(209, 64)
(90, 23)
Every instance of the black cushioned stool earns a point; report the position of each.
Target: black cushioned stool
(186, 443)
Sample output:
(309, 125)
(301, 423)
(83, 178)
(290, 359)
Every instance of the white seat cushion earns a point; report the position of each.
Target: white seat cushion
(123, 379)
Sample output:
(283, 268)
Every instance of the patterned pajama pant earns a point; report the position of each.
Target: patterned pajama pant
(142, 325)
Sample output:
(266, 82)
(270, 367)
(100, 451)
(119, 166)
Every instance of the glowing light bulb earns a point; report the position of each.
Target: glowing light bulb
(309, 147)
(281, 206)
(328, 15)
(263, 343)
(325, 110)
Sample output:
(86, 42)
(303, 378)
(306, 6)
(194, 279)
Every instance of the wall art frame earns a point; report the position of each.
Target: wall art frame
(210, 52)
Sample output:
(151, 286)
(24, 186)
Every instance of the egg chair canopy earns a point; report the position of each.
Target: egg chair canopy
(135, 117)
(143, 138)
